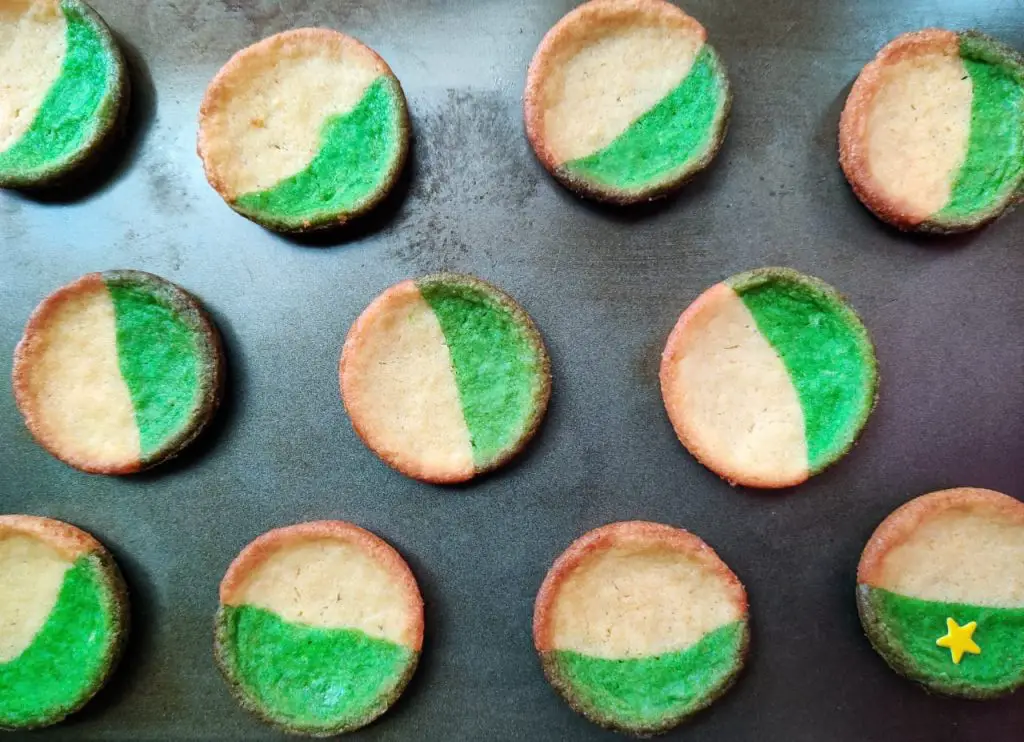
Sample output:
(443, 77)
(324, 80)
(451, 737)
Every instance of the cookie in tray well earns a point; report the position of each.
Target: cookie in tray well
(768, 377)
(932, 135)
(640, 625)
(445, 377)
(63, 619)
(625, 100)
(320, 627)
(118, 371)
(304, 130)
(63, 89)
(940, 590)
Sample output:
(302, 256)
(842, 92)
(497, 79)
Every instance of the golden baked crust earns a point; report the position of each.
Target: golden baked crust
(210, 351)
(853, 121)
(902, 522)
(70, 541)
(256, 552)
(614, 534)
(220, 91)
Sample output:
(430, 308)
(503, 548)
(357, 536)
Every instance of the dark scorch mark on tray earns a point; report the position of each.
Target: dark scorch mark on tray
(468, 158)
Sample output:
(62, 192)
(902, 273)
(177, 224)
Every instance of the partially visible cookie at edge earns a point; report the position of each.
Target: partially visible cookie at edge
(625, 100)
(64, 618)
(64, 90)
(932, 135)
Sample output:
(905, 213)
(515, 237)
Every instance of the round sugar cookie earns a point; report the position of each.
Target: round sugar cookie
(768, 377)
(118, 371)
(304, 130)
(63, 89)
(625, 100)
(639, 625)
(63, 620)
(932, 135)
(445, 377)
(940, 591)
(320, 627)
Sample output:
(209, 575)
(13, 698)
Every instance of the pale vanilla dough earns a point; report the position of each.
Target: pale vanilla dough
(329, 583)
(733, 395)
(599, 83)
(639, 600)
(79, 400)
(33, 40)
(918, 128)
(271, 108)
(960, 555)
(31, 576)
(400, 387)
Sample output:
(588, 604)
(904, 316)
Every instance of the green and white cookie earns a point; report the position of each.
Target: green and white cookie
(639, 625)
(932, 135)
(63, 89)
(445, 377)
(940, 590)
(320, 627)
(304, 130)
(63, 620)
(625, 100)
(768, 377)
(118, 371)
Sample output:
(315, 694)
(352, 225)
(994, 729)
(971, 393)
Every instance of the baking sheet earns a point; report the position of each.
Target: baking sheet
(605, 287)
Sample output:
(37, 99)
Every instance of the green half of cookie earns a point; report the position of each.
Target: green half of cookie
(445, 377)
(118, 371)
(769, 377)
(905, 631)
(64, 617)
(648, 694)
(626, 101)
(309, 679)
(304, 130)
(64, 87)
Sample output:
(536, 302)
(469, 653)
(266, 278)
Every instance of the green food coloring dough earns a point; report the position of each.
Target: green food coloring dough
(358, 153)
(306, 677)
(646, 692)
(667, 138)
(69, 656)
(158, 356)
(498, 367)
(994, 166)
(909, 627)
(826, 351)
(75, 106)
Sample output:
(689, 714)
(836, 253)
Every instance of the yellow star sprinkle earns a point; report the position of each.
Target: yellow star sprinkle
(958, 639)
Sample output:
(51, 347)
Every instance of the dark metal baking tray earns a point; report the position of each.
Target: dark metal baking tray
(605, 286)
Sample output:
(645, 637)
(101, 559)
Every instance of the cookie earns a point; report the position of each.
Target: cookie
(940, 590)
(445, 377)
(304, 130)
(932, 135)
(320, 627)
(117, 371)
(625, 100)
(63, 620)
(639, 625)
(768, 377)
(63, 89)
